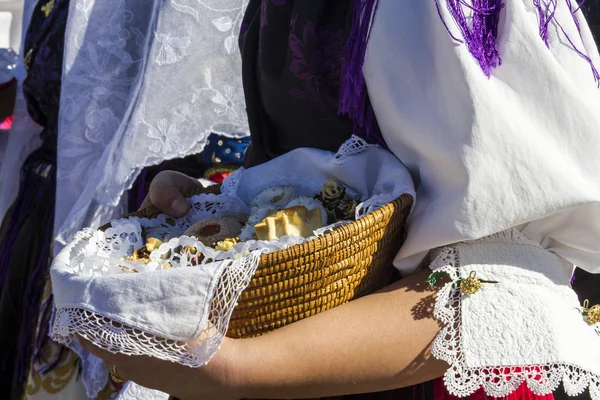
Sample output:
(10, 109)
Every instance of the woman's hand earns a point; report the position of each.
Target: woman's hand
(214, 381)
(166, 193)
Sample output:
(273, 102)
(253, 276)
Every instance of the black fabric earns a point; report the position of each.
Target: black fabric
(587, 286)
(27, 266)
(291, 58)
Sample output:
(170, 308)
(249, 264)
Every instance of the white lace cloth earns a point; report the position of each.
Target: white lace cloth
(526, 327)
(156, 312)
(153, 75)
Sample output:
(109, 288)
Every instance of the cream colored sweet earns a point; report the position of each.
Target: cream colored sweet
(294, 221)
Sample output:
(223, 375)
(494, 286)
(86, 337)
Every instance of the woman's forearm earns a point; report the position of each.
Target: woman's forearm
(379, 342)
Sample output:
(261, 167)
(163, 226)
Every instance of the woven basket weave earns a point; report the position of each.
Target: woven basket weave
(333, 269)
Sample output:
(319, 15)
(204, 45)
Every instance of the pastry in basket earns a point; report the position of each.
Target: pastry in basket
(339, 206)
(226, 245)
(301, 217)
(274, 197)
(214, 230)
(143, 255)
(294, 221)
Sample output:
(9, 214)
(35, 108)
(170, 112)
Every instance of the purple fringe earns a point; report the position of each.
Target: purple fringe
(546, 15)
(481, 35)
(354, 99)
(580, 53)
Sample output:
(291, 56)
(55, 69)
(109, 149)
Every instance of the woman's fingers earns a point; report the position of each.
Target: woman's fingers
(166, 193)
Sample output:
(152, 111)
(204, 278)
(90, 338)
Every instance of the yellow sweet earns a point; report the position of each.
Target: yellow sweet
(153, 244)
(226, 245)
(294, 221)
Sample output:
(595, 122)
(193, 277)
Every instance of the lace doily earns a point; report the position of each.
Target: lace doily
(497, 381)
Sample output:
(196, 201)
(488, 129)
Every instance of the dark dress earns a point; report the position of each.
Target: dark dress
(27, 228)
(291, 65)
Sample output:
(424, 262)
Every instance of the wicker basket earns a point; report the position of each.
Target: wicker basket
(333, 269)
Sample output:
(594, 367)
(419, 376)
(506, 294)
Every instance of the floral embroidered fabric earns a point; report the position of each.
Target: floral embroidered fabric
(159, 76)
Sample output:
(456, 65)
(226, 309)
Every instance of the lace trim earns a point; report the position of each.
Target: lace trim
(463, 381)
(351, 147)
(116, 337)
(98, 253)
(374, 203)
(230, 184)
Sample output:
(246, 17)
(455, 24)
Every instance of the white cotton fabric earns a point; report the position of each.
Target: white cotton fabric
(525, 319)
(369, 172)
(520, 149)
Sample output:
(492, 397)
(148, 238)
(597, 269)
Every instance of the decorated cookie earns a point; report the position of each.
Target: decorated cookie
(213, 230)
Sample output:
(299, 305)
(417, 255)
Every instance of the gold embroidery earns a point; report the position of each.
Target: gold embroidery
(47, 8)
(57, 379)
(33, 386)
(63, 375)
(27, 60)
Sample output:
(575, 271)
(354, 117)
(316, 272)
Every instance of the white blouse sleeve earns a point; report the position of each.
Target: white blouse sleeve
(518, 149)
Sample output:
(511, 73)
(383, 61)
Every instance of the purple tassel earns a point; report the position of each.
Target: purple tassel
(481, 36)
(354, 99)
